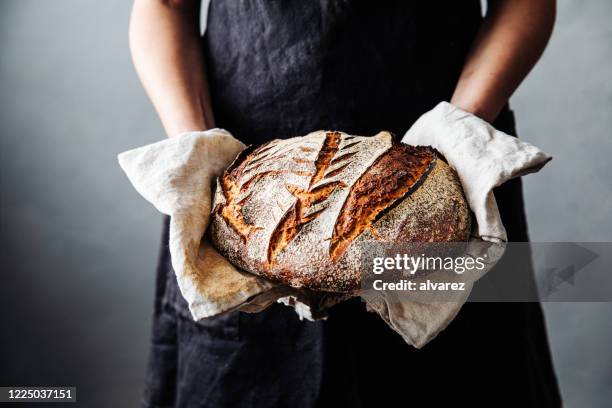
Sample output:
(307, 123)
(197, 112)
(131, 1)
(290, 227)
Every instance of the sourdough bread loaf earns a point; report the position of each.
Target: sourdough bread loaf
(296, 210)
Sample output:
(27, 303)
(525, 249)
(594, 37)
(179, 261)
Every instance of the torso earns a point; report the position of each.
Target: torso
(285, 68)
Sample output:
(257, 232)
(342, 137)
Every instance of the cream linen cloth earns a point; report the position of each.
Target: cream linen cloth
(177, 176)
(484, 158)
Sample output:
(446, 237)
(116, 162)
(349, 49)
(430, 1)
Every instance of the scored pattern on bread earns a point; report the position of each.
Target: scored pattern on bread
(393, 176)
(300, 213)
(294, 210)
(247, 169)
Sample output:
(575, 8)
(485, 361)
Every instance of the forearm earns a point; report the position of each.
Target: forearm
(511, 39)
(165, 46)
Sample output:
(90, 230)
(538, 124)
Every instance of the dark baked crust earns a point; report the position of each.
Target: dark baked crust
(389, 179)
(291, 210)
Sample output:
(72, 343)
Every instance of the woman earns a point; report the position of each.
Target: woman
(267, 69)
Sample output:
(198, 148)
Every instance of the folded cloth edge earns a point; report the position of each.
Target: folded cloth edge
(482, 156)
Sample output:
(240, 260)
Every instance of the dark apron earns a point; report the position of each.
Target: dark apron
(285, 68)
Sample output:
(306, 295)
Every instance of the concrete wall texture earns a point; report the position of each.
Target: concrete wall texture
(79, 246)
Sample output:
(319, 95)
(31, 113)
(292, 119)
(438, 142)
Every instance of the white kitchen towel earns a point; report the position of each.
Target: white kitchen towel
(482, 156)
(177, 175)
(419, 316)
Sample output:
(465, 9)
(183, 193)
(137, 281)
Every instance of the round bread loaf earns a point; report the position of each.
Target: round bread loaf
(295, 210)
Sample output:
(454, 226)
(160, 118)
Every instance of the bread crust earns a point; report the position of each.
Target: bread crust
(297, 210)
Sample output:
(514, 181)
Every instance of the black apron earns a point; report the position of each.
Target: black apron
(285, 68)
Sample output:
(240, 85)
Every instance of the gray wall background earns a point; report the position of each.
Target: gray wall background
(79, 245)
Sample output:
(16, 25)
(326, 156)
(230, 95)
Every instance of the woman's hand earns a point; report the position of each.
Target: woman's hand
(512, 38)
(166, 49)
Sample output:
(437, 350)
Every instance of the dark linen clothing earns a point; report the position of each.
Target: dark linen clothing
(281, 68)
